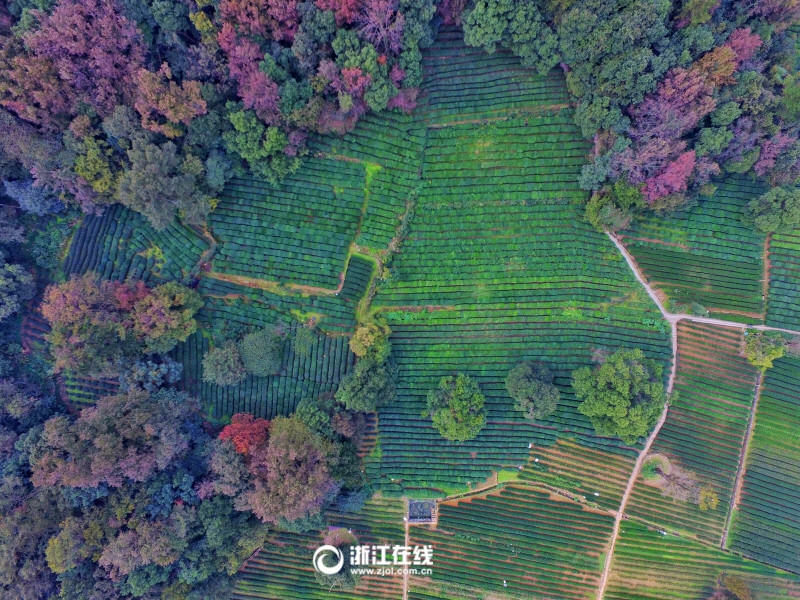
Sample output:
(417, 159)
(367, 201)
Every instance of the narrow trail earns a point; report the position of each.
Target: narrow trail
(737, 486)
(675, 317)
(637, 467)
(767, 269)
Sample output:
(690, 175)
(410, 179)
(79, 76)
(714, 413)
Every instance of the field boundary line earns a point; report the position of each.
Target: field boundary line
(767, 272)
(740, 471)
(405, 571)
(503, 115)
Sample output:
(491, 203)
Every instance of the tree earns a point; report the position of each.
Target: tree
(531, 385)
(123, 438)
(291, 477)
(97, 325)
(763, 347)
(96, 52)
(165, 105)
(615, 54)
(369, 385)
(346, 578)
(708, 498)
(159, 183)
(303, 341)
(16, 286)
(672, 180)
(151, 374)
(31, 198)
(346, 11)
(87, 334)
(622, 397)
(736, 586)
(456, 408)
(776, 210)
(165, 317)
(246, 433)
(223, 365)
(519, 26)
(381, 24)
(262, 351)
(262, 148)
(368, 336)
(697, 12)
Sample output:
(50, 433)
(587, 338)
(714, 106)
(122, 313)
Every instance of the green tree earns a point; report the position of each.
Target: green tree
(262, 352)
(616, 54)
(16, 286)
(519, 26)
(371, 382)
(531, 385)
(622, 397)
(762, 347)
(346, 579)
(456, 408)
(262, 148)
(159, 183)
(777, 210)
(223, 365)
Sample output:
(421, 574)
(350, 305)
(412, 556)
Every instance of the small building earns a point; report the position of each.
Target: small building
(421, 511)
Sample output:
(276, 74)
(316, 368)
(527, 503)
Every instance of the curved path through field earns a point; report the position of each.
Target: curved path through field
(673, 319)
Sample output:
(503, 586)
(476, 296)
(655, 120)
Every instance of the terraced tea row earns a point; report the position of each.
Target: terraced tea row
(462, 83)
(390, 147)
(598, 474)
(783, 300)
(120, 244)
(499, 268)
(298, 232)
(705, 254)
(650, 566)
(300, 376)
(518, 541)
(283, 570)
(703, 433)
(767, 522)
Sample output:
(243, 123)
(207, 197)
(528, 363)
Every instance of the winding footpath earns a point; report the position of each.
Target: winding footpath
(672, 319)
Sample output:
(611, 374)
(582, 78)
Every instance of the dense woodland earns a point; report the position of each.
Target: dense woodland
(157, 104)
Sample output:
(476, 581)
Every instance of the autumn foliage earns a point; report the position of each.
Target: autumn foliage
(246, 433)
(97, 324)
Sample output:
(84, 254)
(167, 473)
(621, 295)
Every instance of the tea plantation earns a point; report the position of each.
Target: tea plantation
(460, 225)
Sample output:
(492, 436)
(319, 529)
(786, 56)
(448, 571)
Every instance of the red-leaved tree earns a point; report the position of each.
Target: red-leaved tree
(246, 433)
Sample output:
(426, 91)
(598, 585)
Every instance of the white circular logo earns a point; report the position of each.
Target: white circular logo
(319, 560)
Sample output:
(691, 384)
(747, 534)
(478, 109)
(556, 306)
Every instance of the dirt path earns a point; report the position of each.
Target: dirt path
(637, 467)
(737, 486)
(675, 317)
